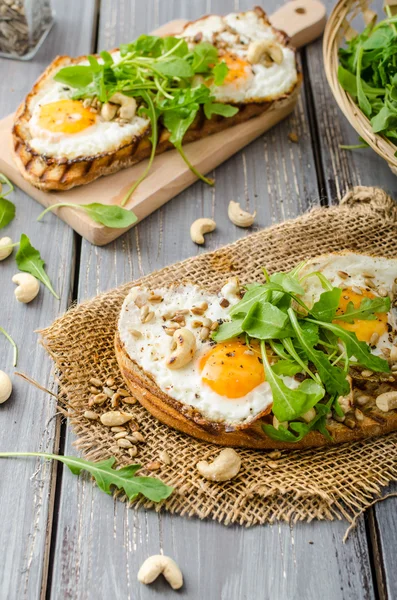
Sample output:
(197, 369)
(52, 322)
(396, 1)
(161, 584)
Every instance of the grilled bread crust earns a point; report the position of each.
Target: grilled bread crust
(184, 418)
(49, 173)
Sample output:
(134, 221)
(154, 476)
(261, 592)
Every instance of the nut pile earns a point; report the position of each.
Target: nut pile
(22, 24)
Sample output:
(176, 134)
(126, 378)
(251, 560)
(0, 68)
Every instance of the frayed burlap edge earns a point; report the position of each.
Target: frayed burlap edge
(327, 483)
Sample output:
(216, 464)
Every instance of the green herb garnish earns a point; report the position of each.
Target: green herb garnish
(166, 78)
(368, 72)
(7, 208)
(106, 477)
(295, 338)
(13, 344)
(108, 215)
(28, 259)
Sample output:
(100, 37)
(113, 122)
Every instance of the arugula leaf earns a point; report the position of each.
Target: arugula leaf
(255, 294)
(78, 76)
(366, 311)
(228, 330)
(360, 350)
(325, 308)
(220, 72)
(265, 321)
(108, 215)
(106, 477)
(216, 108)
(28, 259)
(290, 403)
(288, 283)
(13, 344)
(205, 55)
(284, 435)
(175, 67)
(331, 376)
(7, 212)
(286, 367)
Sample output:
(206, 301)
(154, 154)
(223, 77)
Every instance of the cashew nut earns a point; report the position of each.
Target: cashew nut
(199, 228)
(238, 216)
(158, 564)
(387, 401)
(5, 387)
(28, 287)
(108, 111)
(183, 348)
(265, 52)
(5, 247)
(224, 467)
(127, 105)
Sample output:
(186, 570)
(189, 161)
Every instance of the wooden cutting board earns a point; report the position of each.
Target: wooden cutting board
(302, 20)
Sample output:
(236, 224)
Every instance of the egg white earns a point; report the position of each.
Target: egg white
(102, 136)
(233, 33)
(357, 267)
(151, 351)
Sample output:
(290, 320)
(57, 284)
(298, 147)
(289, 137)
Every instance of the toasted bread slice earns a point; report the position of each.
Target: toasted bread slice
(183, 418)
(62, 173)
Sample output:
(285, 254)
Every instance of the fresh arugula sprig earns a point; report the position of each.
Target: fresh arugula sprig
(28, 259)
(7, 208)
(106, 477)
(368, 72)
(295, 338)
(168, 80)
(108, 215)
(13, 344)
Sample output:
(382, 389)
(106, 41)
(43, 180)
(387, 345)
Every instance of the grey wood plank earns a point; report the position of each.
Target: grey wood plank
(101, 543)
(27, 420)
(343, 169)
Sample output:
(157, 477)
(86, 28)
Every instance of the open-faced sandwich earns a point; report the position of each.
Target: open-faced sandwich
(302, 359)
(92, 116)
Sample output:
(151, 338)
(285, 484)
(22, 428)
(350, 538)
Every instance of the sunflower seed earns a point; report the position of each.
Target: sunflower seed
(350, 423)
(123, 443)
(359, 414)
(369, 283)
(207, 322)
(133, 451)
(110, 382)
(164, 457)
(374, 338)
(129, 400)
(383, 292)
(356, 290)
(155, 298)
(120, 435)
(149, 317)
(366, 373)
(99, 399)
(118, 429)
(204, 333)
(275, 454)
(134, 332)
(123, 392)
(115, 401)
(214, 326)
(91, 415)
(113, 418)
(196, 324)
(108, 392)
(343, 275)
(154, 465)
(393, 354)
(94, 390)
(138, 436)
(96, 382)
(363, 400)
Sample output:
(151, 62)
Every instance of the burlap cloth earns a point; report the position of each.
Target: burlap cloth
(327, 483)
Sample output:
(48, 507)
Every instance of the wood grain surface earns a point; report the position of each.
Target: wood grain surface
(92, 544)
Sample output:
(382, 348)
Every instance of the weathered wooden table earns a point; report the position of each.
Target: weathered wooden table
(60, 537)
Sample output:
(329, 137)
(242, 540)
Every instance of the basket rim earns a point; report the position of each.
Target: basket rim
(333, 35)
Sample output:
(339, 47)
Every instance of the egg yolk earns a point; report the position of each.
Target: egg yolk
(232, 369)
(66, 116)
(238, 68)
(362, 328)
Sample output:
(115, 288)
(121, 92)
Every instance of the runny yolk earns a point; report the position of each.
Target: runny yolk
(232, 369)
(66, 116)
(362, 328)
(238, 68)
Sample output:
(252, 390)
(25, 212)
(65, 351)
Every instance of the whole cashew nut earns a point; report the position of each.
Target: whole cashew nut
(183, 348)
(199, 228)
(28, 287)
(5, 247)
(127, 104)
(238, 216)
(387, 401)
(158, 564)
(108, 111)
(5, 387)
(266, 52)
(224, 467)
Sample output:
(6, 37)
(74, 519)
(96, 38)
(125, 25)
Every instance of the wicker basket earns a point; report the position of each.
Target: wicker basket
(338, 30)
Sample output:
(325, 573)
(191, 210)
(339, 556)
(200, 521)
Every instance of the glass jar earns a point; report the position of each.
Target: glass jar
(24, 25)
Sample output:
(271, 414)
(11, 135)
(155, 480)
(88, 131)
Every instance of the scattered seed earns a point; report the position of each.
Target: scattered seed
(393, 354)
(272, 464)
(182, 311)
(386, 352)
(140, 300)
(87, 102)
(350, 423)
(114, 449)
(109, 393)
(120, 435)
(123, 443)
(149, 317)
(134, 332)
(343, 275)
(144, 312)
(130, 400)
(207, 322)
(164, 457)
(383, 292)
(214, 326)
(94, 390)
(363, 400)
(204, 333)
(196, 324)
(115, 402)
(369, 275)
(138, 436)
(200, 310)
(394, 288)
(131, 438)
(249, 352)
(118, 429)
(91, 415)
(366, 372)
(96, 382)
(155, 298)
(154, 465)
(171, 330)
(369, 283)
(133, 451)
(99, 399)
(110, 381)
(123, 392)
(374, 338)
(113, 418)
(357, 290)
(224, 303)
(275, 454)
(179, 319)
(359, 414)
(338, 418)
(293, 137)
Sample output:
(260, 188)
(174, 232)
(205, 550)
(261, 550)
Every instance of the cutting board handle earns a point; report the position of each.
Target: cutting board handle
(302, 20)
